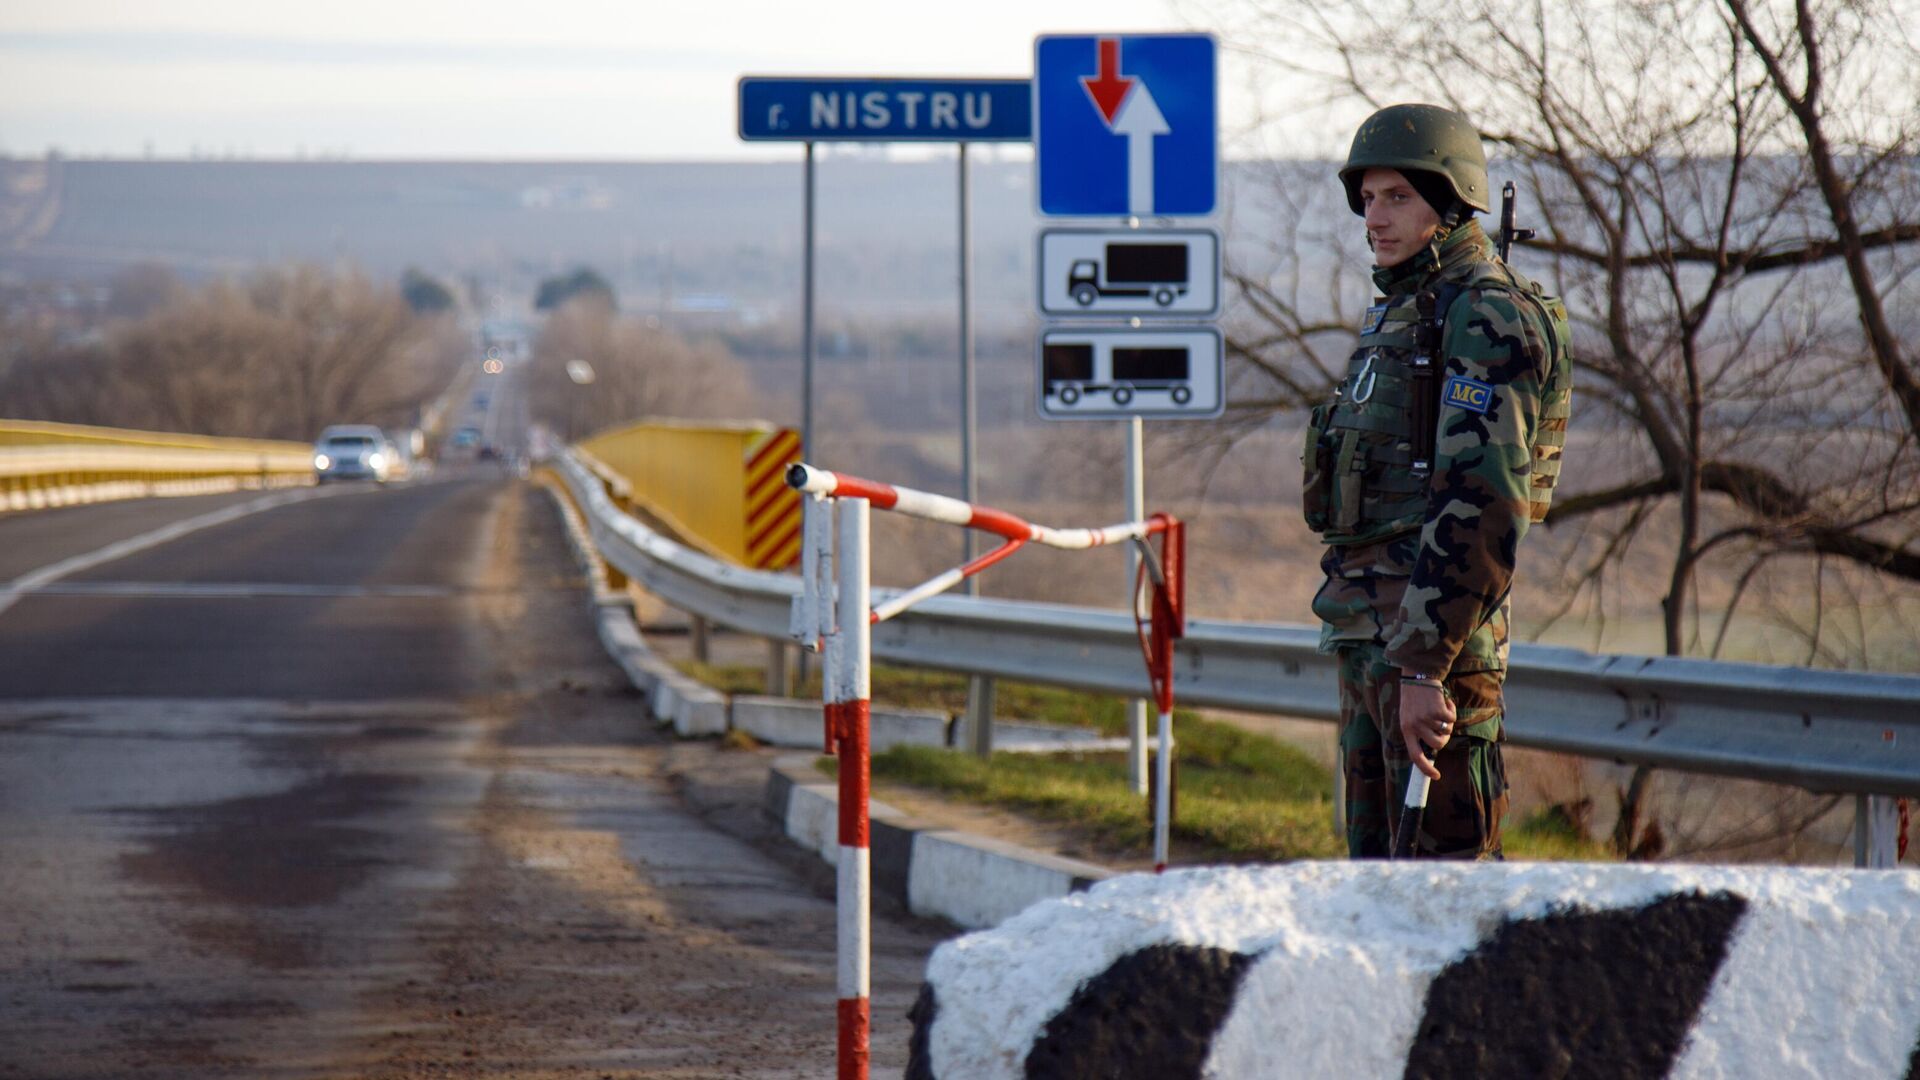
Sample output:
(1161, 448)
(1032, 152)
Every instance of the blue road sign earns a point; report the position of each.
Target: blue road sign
(886, 110)
(1125, 124)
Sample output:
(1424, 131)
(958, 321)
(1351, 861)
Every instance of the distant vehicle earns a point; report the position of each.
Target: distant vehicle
(489, 453)
(465, 437)
(1156, 270)
(355, 452)
(480, 400)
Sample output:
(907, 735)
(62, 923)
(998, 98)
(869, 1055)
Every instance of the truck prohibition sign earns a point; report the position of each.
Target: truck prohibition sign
(1131, 269)
(1122, 272)
(1101, 373)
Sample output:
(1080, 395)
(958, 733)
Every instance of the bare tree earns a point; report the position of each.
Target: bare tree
(1725, 254)
(639, 371)
(280, 356)
(348, 345)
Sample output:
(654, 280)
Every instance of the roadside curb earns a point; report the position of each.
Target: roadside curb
(971, 881)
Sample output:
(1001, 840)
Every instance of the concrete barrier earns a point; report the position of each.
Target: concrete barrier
(624, 644)
(690, 706)
(801, 724)
(1018, 737)
(967, 880)
(978, 881)
(701, 711)
(1361, 970)
(796, 723)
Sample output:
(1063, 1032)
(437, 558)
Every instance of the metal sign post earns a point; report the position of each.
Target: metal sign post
(968, 417)
(1127, 125)
(806, 311)
(1136, 508)
(961, 111)
(980, 688)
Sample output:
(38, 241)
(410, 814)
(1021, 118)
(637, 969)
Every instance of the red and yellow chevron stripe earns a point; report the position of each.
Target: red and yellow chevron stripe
(773, 508)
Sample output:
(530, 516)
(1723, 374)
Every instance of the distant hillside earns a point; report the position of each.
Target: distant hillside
(688, 237)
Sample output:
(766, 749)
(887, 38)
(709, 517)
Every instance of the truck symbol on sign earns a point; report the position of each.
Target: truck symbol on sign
(1131, 270)
(1072, 370)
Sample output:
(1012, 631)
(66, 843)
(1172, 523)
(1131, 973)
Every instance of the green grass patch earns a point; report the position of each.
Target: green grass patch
(726, 678)
(917, 688)
(1223, 814)
(1547, 835)
(1242, 797)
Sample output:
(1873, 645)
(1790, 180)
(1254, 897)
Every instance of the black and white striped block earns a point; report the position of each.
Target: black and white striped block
(1358, 970)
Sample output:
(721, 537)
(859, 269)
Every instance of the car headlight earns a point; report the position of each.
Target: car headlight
(321, 461)
(376, 461)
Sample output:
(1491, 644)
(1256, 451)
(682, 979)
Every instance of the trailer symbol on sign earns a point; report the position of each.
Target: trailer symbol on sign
(1101, 374)
(1125, 124)
(1129, 272)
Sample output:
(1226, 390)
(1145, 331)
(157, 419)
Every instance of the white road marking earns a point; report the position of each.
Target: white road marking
(29, 583)
(242, 590)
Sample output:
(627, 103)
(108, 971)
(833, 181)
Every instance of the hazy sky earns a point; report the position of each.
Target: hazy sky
(553, 79)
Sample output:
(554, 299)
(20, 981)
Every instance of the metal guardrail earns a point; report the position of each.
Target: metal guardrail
(45, 464)
(1826, 731)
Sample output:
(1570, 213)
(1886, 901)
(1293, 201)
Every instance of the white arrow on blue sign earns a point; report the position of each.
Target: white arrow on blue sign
(1126, 124)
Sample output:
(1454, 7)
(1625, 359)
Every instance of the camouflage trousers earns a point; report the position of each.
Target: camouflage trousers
(1464, 806)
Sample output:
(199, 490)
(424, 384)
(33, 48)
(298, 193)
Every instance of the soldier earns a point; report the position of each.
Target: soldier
(1441, 444)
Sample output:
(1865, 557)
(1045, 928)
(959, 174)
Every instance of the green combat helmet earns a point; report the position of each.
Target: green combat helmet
(1419, 138)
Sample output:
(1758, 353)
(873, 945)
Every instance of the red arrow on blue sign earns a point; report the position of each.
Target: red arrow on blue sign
(1108, 89)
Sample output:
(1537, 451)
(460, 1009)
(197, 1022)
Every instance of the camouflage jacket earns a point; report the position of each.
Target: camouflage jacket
(1432, 587)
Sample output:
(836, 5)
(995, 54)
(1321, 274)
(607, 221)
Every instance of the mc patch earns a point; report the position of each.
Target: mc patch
(1376, 315)
(1469, 394)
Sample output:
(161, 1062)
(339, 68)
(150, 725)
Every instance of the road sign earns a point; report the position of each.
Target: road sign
(1121, 272)
(885, 110)
(1100, 374)
(1125, 125)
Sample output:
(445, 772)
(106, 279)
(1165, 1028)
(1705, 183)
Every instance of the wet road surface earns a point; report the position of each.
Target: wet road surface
(346, 787)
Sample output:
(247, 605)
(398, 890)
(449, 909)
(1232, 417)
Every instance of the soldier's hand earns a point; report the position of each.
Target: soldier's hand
(1426, 722)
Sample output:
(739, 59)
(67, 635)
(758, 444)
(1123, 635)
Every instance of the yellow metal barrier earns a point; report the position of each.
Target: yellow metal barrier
(47, 464)
(718, 485)
(40, 432)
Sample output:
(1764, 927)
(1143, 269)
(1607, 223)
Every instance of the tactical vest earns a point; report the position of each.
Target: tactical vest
(1369, 453)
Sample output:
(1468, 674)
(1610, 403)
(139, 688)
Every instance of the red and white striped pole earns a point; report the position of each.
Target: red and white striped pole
(835, 610)
(847, 719)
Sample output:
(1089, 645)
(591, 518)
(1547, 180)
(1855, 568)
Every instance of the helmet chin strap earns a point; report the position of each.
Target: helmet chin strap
(1456, 215)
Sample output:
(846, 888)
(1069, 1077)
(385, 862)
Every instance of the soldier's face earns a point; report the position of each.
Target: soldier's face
(1399, 221)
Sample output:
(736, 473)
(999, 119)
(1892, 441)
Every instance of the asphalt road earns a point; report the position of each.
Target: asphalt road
(346, 787)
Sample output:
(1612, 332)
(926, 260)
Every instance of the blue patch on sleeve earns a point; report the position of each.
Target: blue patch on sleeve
(1469, 394)
(1376, 316)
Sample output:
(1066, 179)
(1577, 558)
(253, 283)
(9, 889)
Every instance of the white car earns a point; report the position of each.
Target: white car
(355, 452)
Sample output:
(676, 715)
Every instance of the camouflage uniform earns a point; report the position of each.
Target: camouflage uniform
(1418, 567)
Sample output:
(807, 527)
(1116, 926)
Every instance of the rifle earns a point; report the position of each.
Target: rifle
(1508, 233)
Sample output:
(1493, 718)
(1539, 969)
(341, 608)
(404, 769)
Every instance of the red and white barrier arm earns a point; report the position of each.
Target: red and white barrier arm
(834, 612)
(921, 504)
(951, 511)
